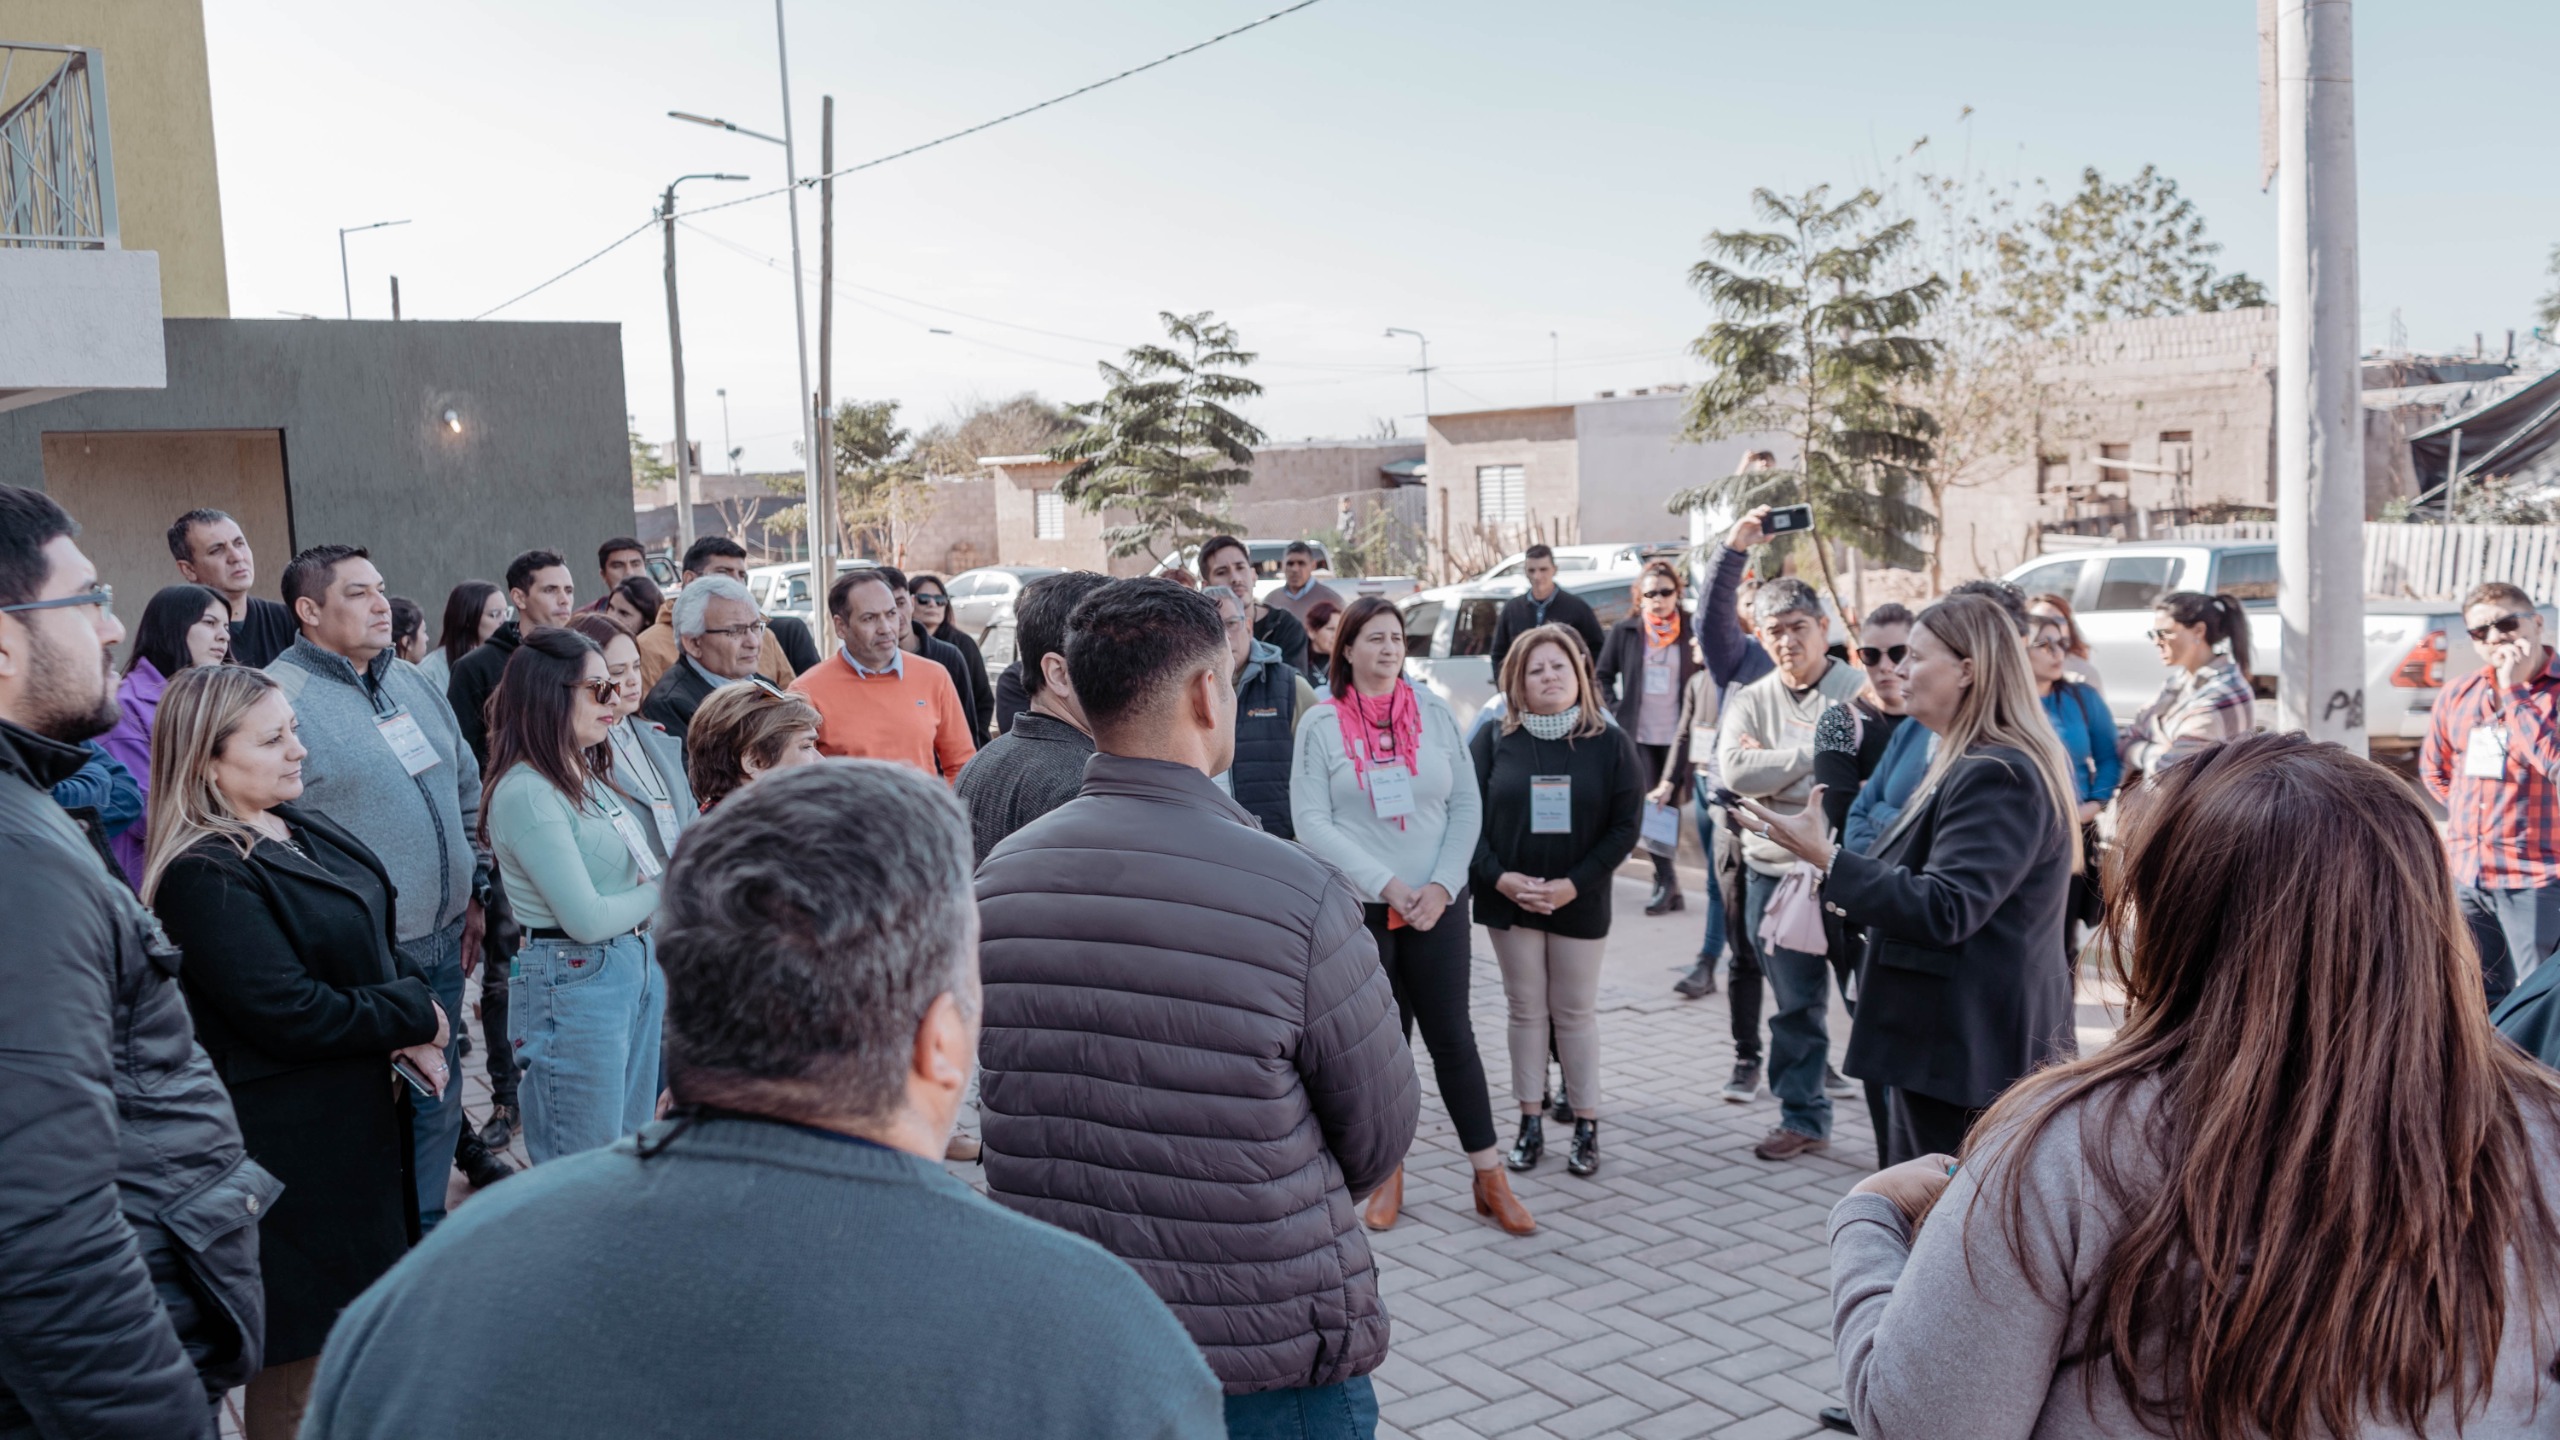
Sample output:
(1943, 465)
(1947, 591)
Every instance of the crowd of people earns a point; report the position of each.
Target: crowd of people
(1170, 896)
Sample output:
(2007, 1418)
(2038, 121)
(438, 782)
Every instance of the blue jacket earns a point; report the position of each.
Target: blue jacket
(1880, 800)
(2088, 730)
(105, 786)
(1733, 658)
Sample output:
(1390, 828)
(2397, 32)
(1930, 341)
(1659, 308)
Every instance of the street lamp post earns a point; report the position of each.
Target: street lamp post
(1423, 370)
(675, 362)
(346, 289)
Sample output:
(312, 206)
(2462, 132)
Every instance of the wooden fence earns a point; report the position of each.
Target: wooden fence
(2431, 562)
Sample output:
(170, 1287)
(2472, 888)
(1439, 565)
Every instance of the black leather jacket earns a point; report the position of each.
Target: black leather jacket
(129, 1287)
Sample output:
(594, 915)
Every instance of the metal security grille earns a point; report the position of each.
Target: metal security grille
(1048, 516)
(1502, 495)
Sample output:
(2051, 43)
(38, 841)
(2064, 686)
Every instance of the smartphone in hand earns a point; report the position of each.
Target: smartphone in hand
(417, 1082)
(1787, 519)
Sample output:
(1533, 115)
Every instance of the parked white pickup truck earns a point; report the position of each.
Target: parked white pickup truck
(2411, 646)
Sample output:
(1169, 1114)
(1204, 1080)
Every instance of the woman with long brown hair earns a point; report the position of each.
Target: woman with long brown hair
(2306, 1191)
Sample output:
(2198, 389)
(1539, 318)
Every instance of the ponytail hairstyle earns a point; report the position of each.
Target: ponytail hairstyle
(2223, 619)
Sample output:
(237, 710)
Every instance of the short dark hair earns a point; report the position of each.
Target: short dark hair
(807, 925)
(1040, 618)
(522, 569)
(313, 569)
(1132, 640)
(182, 531)
(615, 546)
(406, 619)
(161, 635)
(1216, 543)
(2497, 592)
(644, 595)
(1300, 547)
(1540, 551)
(1891, 612)
(29, 521)
(700, 552)
(1355, 619)
(845, 582)
(2003, 594)
(893, 576)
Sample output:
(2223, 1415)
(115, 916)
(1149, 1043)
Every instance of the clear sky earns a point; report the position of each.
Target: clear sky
(1525, 183)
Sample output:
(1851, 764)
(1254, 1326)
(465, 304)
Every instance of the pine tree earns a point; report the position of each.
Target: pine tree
(1162, 445)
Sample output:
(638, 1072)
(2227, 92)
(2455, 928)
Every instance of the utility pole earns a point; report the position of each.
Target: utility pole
(1423, 370)
(395, 297)
(675, 362)
(819, 584)
(2319, 438)
(811, 509)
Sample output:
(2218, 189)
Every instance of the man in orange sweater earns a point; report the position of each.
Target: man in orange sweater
(873, 705)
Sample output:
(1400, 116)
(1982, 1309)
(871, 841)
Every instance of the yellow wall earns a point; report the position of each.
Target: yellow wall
(160, 114)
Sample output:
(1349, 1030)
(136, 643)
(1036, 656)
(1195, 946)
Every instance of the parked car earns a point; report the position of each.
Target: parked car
(1629, 558)
(2410, 645)
(980, 596)
(784, 589)
(1449, 631)
(1265, 555)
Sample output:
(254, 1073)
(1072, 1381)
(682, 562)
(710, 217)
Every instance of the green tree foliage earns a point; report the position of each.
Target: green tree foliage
(1162, 446)
(1808, 345)
(881, 489)
(2116, 252)
(648, 470)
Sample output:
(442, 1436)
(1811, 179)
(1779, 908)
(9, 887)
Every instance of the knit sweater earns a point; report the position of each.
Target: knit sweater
(912, 717)
(759, 1281)
(567, 867)
(1023, 774)
(1777, 770)
(1334, 817)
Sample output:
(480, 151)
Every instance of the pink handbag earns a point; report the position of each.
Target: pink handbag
(1793, 920)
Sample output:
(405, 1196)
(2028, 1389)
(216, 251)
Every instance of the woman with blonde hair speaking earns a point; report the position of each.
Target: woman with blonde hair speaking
(1963, 988)
(1563, 801)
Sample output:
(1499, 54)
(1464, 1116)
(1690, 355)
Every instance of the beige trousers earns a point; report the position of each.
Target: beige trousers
(1552, 981)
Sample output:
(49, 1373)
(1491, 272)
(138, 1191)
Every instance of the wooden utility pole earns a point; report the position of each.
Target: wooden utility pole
(675, 365)
(820, 584)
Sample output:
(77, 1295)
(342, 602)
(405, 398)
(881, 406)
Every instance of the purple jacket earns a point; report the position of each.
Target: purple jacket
(130, 742)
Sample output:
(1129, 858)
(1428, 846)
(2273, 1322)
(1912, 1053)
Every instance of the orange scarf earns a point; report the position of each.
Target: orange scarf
(1661, 630)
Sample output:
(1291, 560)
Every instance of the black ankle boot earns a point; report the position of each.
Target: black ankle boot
(1584, 1157)
(1531, 1144)
(1660, 899)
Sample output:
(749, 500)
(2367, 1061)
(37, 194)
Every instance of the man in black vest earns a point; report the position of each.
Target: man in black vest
(1271, 697)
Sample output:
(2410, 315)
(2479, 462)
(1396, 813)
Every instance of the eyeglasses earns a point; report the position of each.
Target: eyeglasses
(1660, 594)
(767, 684)
(1870, 656)
(2162, 635)
(2504, 625)
(736, 632)
(104, 597)
(604, 689)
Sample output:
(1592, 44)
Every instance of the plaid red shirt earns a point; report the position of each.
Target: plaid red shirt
(2501, 834)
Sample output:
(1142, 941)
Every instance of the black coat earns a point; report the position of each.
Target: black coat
(678, 693)
(955, 664)
(1279, 627)
(1607, 816)
(300, 995)
(798, 645)
(979, 694)
(1519, 616)
(1963, 990)
(1620, 666)
(474, 679)
(1012, 698)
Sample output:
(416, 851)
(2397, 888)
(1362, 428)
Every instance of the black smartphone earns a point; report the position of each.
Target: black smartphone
(1727, 798)
(1787, 519)
(401, 1067)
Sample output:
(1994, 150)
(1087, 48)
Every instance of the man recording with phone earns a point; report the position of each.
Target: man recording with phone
(2492, 759)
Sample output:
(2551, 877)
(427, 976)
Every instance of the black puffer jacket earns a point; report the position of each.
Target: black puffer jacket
(129, 1290)
(1192, 1059)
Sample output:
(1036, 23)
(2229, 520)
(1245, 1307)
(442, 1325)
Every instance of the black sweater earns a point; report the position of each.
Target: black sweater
(1608, 813)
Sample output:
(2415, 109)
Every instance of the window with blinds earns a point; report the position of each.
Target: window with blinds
(1502, 495)
(1048, 516)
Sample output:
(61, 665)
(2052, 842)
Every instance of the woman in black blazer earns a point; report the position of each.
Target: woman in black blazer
(301, 1000)
(1964, 897)
(1643, 670)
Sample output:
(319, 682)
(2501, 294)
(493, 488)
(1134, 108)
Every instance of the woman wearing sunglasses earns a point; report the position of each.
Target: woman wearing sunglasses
(932, 600)
(2204, 640)
(1643, 671)
(574, 849)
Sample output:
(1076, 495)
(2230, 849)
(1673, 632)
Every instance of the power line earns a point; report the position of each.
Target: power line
(913, 149)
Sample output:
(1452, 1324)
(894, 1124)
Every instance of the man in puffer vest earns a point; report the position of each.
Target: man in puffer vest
(1190, 1054)
(1271, 698)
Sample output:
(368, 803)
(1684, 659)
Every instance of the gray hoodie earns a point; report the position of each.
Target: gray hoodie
(421, 826)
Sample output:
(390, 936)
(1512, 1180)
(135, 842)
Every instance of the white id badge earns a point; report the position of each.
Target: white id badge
(635, 840)
(1702, 744)
(1550, 804)
(1390, 791)
(407, 741)
(664, 813)
(1657, 679)
(2484, 756)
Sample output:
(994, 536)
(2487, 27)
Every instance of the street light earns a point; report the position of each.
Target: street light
(345, 289)
(726, 449)
(675, 360)
(1423, 370)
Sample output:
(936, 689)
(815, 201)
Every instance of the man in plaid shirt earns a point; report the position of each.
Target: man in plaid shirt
(2493, 759)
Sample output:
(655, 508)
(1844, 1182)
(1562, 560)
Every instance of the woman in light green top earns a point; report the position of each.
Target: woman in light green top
(585, 996)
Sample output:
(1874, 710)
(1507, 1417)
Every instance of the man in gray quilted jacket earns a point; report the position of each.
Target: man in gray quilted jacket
(1190, 1054)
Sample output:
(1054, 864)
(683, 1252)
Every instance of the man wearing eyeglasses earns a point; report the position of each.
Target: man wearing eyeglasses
(2492, 758)
(721, 635)
(116, 1137)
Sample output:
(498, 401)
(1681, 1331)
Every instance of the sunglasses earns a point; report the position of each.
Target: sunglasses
(1660, 594)
(928, 597)
(2161, 635)
(2504, 625)
(1870, 656)
(2053, 645)
(604, 689)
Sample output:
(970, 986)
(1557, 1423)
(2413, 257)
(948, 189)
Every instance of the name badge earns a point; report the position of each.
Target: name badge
(1261, 714)
(1550, 804)
(635, 840)
(663, 812)
(1657, 679)
(1390, 791)
(2484, 756)
(408, 742)
(1702, 745)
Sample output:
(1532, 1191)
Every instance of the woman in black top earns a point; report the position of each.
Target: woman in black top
(1563, 793)
(932, 600)
(300, 999)
(1641, 671)
(1847, 742)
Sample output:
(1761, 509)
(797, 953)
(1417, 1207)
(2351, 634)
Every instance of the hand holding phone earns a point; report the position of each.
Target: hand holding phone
(1787, 519)
(423, 1082)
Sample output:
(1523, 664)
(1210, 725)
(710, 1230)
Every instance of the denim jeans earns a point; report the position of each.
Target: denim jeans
(1800, 1031)
(1711, 948)
(2514, 931)
(585, 1020)
(1348, 1411)
(436, 1124)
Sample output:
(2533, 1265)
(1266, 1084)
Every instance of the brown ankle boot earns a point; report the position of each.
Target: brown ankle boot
(1494, 1198)
(1386, 1203)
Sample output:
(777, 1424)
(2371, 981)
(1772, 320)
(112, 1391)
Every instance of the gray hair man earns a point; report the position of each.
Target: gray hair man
(1765, 750)
(720, 634)
(820, 946)
(1271, 698)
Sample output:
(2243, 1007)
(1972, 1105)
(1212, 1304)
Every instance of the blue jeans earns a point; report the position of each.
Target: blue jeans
(436, 1124)
(1348, 1411)
(1711, 948)
(1800, 1031)
(2514, 931)
(585, 1020)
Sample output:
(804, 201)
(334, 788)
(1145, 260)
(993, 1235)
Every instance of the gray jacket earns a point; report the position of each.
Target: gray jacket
(1188, 1040)
(422, 827)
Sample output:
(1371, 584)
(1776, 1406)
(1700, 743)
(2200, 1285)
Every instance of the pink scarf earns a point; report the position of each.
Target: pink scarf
(1383, 731)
